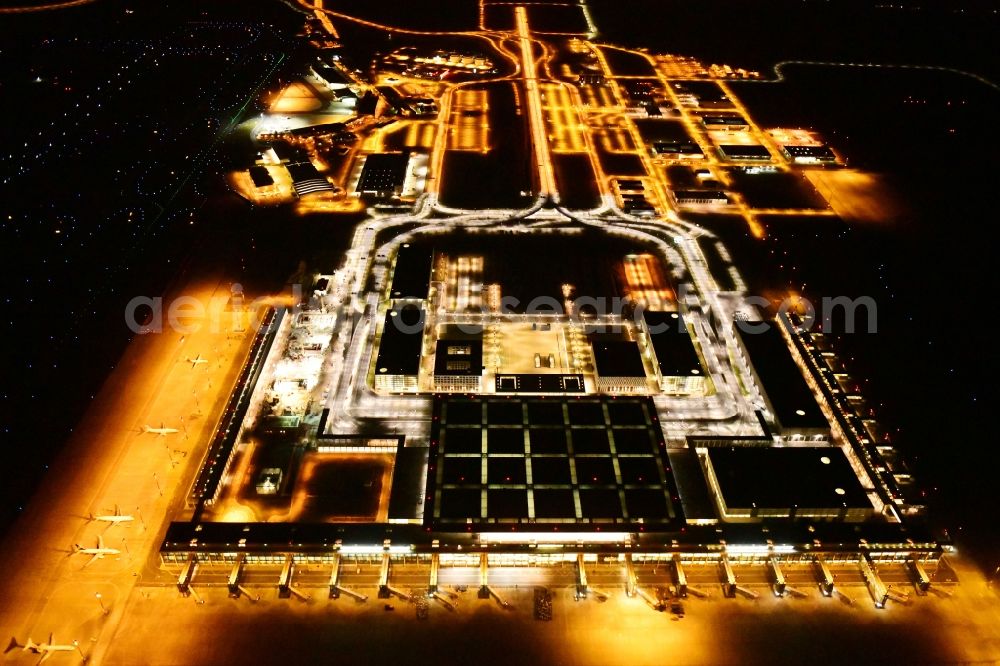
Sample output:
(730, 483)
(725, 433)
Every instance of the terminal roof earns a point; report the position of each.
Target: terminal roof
(617, 358)
(769, 477)
(411, 276)
(672, 345)
(792, 401)
(401, 341)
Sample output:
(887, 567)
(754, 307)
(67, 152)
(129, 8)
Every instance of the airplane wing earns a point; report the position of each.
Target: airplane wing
(93, 559)
(48, 653)
(100, 541)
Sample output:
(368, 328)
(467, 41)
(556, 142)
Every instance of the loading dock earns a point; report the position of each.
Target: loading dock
(285, 579)
(878, 590)
(581, 577)
(235, 574)
(335, 577)
(383, 578)
(824, 575)
(920, 578)
(728, 577)
(432, 586)
(777, 576)
(680, 577)
(187, 575)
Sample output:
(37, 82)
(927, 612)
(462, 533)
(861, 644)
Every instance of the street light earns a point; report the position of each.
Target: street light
(100, 601)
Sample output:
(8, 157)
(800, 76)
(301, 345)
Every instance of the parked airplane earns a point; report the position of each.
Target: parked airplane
(98, 553)
(159, 431)
(44, 649)
(196, 361)
(113, 518)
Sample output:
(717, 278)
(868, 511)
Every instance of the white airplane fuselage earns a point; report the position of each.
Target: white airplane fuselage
(159, 431)
(114, 519)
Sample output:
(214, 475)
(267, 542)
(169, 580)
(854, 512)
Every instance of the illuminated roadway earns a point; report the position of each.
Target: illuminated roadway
(539, 143)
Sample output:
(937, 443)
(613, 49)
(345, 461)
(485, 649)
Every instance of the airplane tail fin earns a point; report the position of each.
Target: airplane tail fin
(146, 428)
(13, 645)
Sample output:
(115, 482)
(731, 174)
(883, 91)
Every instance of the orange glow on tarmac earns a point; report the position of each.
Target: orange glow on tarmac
(280, 192)
(297, 97)
(785, 136)
(856, 196)
(646, 284)
(110, 462)
(326, 202)
(468, 122)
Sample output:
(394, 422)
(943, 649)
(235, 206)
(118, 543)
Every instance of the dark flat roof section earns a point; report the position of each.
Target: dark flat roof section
(260, 176)
(401, 342)
(816, 152)
(721, 119)
(550, 464)
(815, 477)
(790, 397)
(677, 147)
(691, 486)
(742, 152)
(407, 483)
(329, 73)
(383, 172)
(291, 154)
(618, 358)
(411, 278)
(672, 344)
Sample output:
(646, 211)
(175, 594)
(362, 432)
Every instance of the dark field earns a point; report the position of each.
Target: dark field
(530, 267)
(576, 181)
(497, 179)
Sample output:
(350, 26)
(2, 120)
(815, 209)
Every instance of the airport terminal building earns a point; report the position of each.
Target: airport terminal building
(546, 441)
